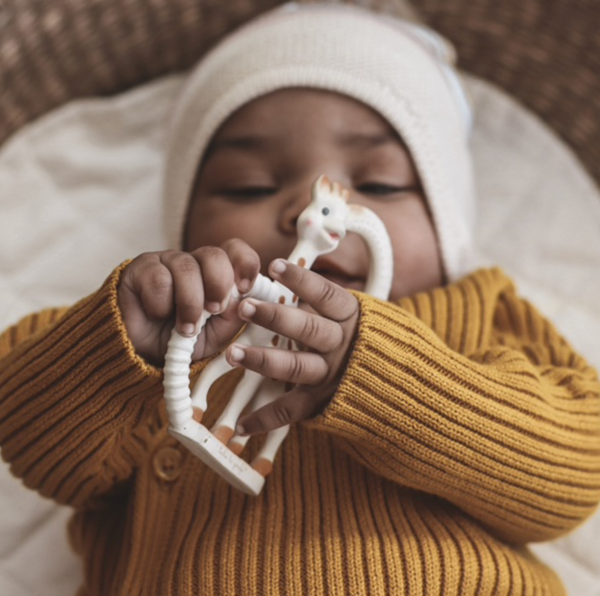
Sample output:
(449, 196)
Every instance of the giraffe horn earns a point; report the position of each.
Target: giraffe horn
(317, 186)
(321, 184)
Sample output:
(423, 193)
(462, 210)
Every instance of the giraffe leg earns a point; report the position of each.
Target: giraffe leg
(214, 370)
(224, 427)
(263, 462)
(269, 391)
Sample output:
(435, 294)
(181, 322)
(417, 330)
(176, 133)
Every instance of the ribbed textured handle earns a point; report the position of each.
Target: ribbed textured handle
(177, 379)
(178, 359)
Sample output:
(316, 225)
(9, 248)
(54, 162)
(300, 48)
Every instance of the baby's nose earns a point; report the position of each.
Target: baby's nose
(295, 201)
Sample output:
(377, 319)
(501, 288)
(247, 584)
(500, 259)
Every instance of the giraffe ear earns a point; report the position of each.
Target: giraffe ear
(322, 183)
(341, 192)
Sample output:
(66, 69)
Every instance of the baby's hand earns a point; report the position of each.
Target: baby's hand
(326, 333)
(160, 289)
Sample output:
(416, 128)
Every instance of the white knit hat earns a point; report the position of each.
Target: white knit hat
(399, 69)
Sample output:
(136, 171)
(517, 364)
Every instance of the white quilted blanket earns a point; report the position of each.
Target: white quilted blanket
(79, 193)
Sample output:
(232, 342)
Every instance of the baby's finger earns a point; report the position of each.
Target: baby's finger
(217, 334)
(188, 294)
(305, 368)
(310, 330)
(296, 405)
(151, 282)
(245, 262)
(325, 297)
(217, 277)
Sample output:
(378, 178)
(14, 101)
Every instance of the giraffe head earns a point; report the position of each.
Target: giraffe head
(323, 222)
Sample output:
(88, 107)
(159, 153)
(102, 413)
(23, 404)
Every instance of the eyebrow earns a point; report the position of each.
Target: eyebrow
(253, 142)
(243, 143)
(369, 139)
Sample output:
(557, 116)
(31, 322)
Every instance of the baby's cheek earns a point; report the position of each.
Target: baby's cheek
(420, 274)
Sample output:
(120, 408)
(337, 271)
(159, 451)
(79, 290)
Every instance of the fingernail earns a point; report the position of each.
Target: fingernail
(236, 353)
(244, 286)
(239, 429)
(188, 329)
(278, 266)
(213, 308)
(248, 309)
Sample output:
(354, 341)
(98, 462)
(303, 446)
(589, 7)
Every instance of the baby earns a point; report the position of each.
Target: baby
(439, 431)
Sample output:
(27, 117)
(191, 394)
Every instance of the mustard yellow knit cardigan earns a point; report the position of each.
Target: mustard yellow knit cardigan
(464, 427)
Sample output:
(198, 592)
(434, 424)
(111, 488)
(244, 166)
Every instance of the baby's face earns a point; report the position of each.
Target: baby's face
(258, 172)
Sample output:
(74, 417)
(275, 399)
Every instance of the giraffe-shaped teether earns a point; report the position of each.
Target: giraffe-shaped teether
(321, 227)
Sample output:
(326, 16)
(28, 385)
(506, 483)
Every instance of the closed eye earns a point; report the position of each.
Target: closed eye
(378, 189)
(248, 193)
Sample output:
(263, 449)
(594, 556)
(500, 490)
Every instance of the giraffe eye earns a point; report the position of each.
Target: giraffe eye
(325, 211)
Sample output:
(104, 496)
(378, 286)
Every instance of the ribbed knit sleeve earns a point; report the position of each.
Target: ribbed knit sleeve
(71, 391)
(468, 393)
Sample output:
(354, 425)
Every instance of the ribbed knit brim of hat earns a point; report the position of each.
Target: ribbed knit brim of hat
(400, 70)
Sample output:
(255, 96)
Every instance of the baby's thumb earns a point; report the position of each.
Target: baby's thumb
(296, 405)
(218, 332)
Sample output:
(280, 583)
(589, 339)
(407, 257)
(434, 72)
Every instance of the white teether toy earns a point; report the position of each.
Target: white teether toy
(321, 227)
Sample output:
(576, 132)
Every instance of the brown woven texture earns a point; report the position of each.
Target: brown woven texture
(546, 53)
(52, 51)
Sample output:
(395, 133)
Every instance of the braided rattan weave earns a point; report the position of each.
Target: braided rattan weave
(546, 53)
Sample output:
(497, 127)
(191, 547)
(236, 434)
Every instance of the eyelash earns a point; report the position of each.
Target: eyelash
(249, 193)
(255, 193)
(377, 189)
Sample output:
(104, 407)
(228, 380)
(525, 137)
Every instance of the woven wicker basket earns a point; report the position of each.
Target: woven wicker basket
(546, 53)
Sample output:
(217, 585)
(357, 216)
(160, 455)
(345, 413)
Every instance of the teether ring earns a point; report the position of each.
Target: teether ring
(321, 227)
